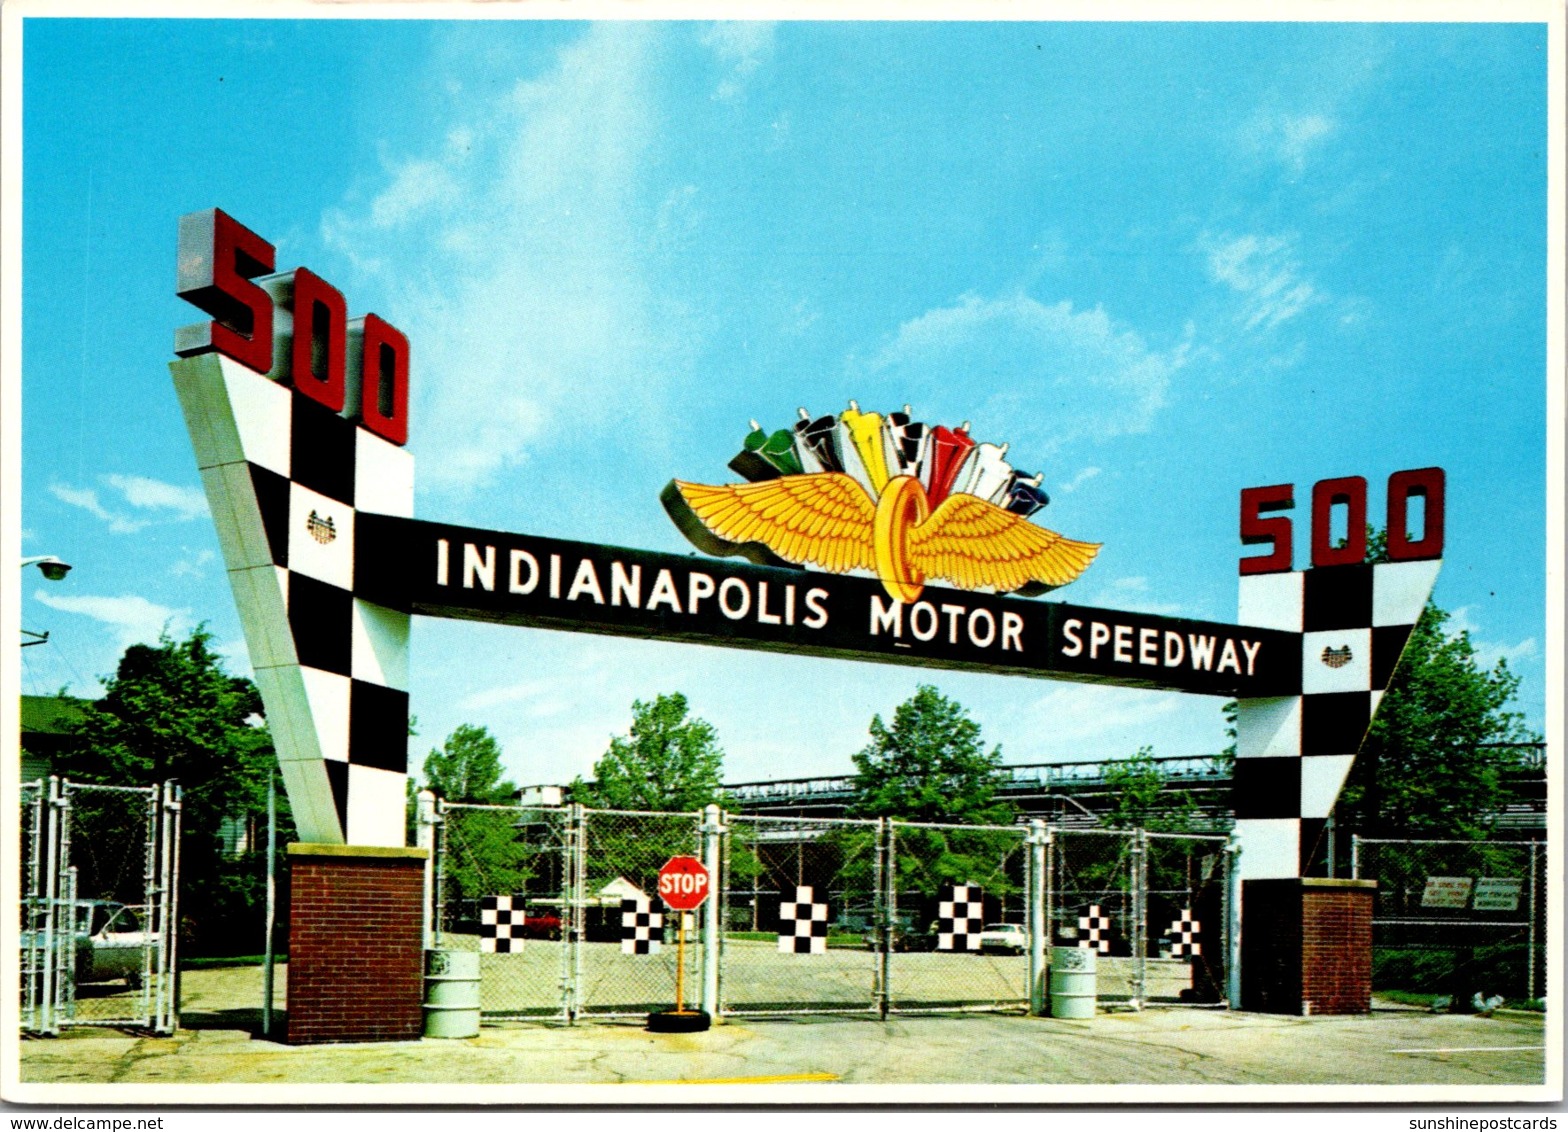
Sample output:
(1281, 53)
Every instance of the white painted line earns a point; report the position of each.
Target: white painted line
(1470, 1049)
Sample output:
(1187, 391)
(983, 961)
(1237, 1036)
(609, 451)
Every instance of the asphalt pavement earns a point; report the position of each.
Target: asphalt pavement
(218, 1057)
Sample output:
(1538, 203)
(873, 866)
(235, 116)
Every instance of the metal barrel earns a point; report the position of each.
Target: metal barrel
(1073, 974)
(451, 994)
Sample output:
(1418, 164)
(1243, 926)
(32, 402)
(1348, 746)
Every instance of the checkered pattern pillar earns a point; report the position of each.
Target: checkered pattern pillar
(1294, 752)
(285, 478)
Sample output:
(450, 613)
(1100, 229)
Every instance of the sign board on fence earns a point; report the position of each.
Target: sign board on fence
(1497, 894)
(1446, 892)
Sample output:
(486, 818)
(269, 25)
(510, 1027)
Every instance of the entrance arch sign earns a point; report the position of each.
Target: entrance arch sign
(311, 491)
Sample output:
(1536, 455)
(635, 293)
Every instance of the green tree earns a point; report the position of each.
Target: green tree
(1140, 800)
(467, 768)
(1436, 760)
(170, 711)
(483, 852)
(667, 761)
(929, 766)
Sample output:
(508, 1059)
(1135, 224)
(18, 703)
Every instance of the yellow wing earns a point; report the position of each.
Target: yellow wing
(823, 518)
(974, 544)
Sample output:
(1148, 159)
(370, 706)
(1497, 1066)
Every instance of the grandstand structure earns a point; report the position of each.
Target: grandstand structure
(1077, 794)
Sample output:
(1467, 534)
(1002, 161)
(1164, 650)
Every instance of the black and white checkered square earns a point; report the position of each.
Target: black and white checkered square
(642, 928)
(960, 918)
(501, 920)
(286, 479)
(1295, 751)
(803, 924)
(1094, 930)
(1183, 934)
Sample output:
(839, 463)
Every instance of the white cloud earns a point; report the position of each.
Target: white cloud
(522, 277)
(1079, 372)
(1078, 715)
(134, 619)
(742, 46)
(87, 499)
(155, 495)
(193, 564)
(1265, 272)
(1078, 481)
(139, 492)
(1290, 139)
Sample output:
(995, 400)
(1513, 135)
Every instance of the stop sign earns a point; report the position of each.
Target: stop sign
(683, 883)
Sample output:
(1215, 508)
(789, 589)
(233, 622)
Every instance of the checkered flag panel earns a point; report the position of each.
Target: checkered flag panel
(642, 928)
(1094, 927)
(286, 480)
(1294, 752)
(501, 920)
(803, 924)
(960, 917)
(1183, 934)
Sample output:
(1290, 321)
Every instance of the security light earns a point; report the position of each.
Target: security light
(49, 566)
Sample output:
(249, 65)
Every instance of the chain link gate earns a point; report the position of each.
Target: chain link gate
(1186, 887)
(822, 915)
(766, 864)
(99, 906)
(519, 856)
(1095, 901)
(618, 857)
(946, 883)
(1456, 918)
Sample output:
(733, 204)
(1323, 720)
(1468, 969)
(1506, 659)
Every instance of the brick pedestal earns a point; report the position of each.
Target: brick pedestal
(356, 943)
(1306, 946)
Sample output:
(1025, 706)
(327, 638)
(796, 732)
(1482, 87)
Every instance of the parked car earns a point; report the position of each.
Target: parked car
(110, 942)
(1007, 939)
(905, 938)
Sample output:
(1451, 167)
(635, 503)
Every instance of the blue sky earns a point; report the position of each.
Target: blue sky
(1165, 262)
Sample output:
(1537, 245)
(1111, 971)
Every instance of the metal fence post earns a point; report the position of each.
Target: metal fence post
(1530, 948)
(577, 870)
(177, 806)
(1355, 856)
(1233, 923)
(425, 838)
(886, 916)
(166, 1006)
(1039, 839)
(1140, 917)
(267, 973)
(712, 829)
(47, 1021)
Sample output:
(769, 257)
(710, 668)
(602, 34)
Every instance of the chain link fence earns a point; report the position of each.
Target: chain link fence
(951, 888)
(100, 874)
(819, 915)
(1095, 901)
(1186, 879)
(618, 860)
(771, 868)
(487, 855)
(1456, 918)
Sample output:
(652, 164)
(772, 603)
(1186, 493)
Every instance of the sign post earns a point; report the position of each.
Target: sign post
(683, 886)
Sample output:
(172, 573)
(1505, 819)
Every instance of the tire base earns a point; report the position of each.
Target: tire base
(686, 1022)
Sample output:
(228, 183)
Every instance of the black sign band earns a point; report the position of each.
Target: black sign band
(440, 570)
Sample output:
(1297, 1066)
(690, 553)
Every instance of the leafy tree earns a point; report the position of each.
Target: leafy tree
(667, 761)
(170, 711)
(467, 768)
(1139, 799)
(1436, 761)
(483, 852)
(929, 766)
